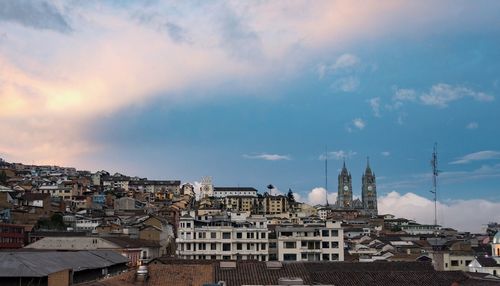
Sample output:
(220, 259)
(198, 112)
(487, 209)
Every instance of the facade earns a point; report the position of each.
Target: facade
(368, 203)
(11, 236)
(137, 251)
(222, 192)
(310, 242)
(223, 239)
(344, 198)
(275, 205)
(488, 265)
(369, 192)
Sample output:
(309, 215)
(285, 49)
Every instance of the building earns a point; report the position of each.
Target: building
(222, 192)
(488, 265)
(137, 251)
(369, 192)
(368, 205)
(275, 205)
(54, 268)
(11, 236)
(175, 272)
(344, 194)
(310, 242)
(222, 239)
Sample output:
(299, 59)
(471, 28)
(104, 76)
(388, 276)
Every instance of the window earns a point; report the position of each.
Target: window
(263, 235)
(188, 246)
(202, 235)
(335, 257)
(335, 244)
(325, 244)
(326, 256)
(335, 232)
(226, 247)
(188, 224)
(286, 233)
(289, 257)
(213, 246)
(226, 257)
(249, 246)
(250, 235)
(239, 235)
(263, 246)
(226, 235)
(303, 256)
(290, 244)
(202, 246)
(303, 243)
(213, 235)
(272, 244)
(239, 246)
(454, 263)
(325, 232)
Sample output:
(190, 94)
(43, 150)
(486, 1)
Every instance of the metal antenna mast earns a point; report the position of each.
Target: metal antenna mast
(435, 173)
(326, 174)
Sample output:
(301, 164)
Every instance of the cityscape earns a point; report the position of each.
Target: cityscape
(227, 143)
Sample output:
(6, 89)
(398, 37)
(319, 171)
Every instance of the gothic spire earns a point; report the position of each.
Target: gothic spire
(368, 169)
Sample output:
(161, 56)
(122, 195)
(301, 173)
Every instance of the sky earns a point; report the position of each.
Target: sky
(253, 93)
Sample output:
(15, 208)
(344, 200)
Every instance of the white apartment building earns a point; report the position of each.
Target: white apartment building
(222, 192)
(419, 229)
(223, 239)
(310, 242)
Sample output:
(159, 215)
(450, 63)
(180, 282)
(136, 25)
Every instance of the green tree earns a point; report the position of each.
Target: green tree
(290, 196)
(55, 222)
(3, 177)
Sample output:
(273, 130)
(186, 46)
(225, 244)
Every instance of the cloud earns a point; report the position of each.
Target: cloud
(346, 61)
(386, 153)
(404, 95)
(441, 94)
(96, 59)
(317, 196)
(472, 125)
(268, 157)
(34, 14)
(401, 118)
(477, 156)
(375, 105)
(346, 84)
(338, 155)
(423, 180)
(359, 123)
(451, 214)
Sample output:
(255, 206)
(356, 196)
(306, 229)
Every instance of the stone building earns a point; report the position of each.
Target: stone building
(368, 204)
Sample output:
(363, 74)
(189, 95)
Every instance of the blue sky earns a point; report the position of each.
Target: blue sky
(252, 93)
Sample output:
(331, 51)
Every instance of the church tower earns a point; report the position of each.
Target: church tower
(344, 195)
(369, 191)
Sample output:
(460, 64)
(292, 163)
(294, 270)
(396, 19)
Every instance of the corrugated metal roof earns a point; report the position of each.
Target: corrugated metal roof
(40, 263)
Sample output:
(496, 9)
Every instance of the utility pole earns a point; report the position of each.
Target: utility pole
(326, 175)
(435, 173)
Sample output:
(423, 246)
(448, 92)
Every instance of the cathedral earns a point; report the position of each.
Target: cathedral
(368, 203)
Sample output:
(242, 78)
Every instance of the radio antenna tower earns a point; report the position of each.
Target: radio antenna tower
(435, 173)
(326, 175)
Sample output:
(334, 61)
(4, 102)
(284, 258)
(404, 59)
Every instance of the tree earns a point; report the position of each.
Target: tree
(3, 177)
(290, 196)
(55, 222)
